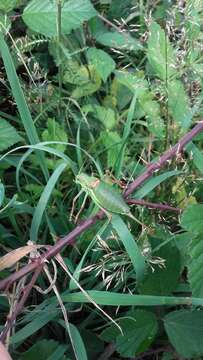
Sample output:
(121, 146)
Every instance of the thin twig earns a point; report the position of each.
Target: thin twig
(150, 205)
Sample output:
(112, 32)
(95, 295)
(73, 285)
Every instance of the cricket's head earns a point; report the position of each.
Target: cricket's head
(87, 182)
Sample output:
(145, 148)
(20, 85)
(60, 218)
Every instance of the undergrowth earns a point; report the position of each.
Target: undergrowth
(103, 88)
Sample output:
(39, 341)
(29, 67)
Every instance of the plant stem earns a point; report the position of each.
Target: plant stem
(162, 207)
(20, 304)
(167, 155)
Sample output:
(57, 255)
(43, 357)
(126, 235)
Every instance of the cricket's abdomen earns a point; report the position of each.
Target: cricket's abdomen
(110, 199)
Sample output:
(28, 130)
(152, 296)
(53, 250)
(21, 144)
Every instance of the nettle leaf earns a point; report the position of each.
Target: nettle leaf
(2, 193)
(55, 132)
(121, 41)
(160, 53)
(120, 95)
(106, 115)
(89, 87)
(134, 82)
(178, 104)
(112, 143)
(8, 135)
(163, 280)
(102, 62)
(139, 330)
(151, 111)
(149, 107)
(191, 219)
(40, 16)
(195, 266)
(185, 331)
(75, 74)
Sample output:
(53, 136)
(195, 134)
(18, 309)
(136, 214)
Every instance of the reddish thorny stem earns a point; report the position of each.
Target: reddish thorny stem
(37, 265)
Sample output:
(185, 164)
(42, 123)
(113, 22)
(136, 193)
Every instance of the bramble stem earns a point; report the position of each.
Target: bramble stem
(167, 155)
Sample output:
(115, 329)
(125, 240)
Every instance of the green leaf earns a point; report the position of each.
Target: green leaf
(121, 41)
(40, 16)
(130, 245)
(151, 109)
(2, 193)
(185, 331)
(79, 346)
(5, 23)
(112, 143)
(120, 9)
(58, 354)
(90, 84)
(135, 82)
(163, 280)
(37, 323)
(7, 5)
(160, 53)
(195, 265)
(8, 135)
(93, 343)
(139, 330)
(41, 350)
(106, 115)
(55, 132)
(178, 103)
(103, 63)
(154, 182)
(196, 155)
(76, 74)
(191, 219)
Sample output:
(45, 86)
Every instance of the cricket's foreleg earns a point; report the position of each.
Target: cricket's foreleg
(73, 204)
(81, 209)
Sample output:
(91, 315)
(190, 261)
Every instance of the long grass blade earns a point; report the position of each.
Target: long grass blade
(116, 299)
(130, 245)
(43, 201)
(20, 101)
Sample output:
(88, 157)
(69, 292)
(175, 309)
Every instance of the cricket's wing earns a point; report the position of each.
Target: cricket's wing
(110, 199)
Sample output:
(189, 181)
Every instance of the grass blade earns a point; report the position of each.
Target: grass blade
(126, 133)
(130, 245)
(154, 182)
(116, 299)
(20, 100)
(43, 201)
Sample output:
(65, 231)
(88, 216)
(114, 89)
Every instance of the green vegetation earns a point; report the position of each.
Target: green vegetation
(105, 88)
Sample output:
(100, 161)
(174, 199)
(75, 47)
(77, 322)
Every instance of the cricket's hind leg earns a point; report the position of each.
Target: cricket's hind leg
(73, 204)
(81, 209)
